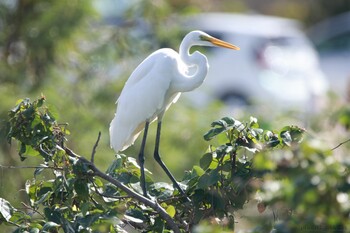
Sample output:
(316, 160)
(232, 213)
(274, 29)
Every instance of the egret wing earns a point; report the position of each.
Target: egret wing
(144, 97)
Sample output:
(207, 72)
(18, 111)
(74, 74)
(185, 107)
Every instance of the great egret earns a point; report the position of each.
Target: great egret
(150, 90)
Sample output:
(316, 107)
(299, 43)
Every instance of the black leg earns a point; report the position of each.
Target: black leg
(161, 163)
(142, 160)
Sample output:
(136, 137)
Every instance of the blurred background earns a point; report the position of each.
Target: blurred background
(293, 68)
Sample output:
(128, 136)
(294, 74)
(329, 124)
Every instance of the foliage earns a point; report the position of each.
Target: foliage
(31, 40)
(59, 48)
(307, 189)
(75, 199)
(78, 55)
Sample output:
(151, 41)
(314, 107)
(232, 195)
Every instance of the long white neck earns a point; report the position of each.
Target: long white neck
(197, 59)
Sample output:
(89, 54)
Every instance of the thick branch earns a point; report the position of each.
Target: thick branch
(132, 194)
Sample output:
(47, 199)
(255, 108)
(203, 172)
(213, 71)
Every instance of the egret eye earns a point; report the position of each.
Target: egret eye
(204, 38)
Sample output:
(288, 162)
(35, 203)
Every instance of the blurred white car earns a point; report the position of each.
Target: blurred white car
(276, 66)
(332, 40)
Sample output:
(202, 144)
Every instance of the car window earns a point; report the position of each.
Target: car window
(283, 53)
(287, 41)
(337, 43)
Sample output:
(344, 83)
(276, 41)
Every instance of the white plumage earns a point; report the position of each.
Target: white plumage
(157, 83)
(145, 95)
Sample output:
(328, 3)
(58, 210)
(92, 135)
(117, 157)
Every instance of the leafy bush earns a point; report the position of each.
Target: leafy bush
(68, 193)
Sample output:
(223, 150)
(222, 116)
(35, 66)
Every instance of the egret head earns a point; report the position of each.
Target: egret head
(204, 39)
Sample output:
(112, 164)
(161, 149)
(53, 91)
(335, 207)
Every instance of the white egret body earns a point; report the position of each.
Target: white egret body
(153, 86)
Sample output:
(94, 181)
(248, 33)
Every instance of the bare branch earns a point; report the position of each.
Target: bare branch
(154, 205)
(31, 167)
(32, 209)
(94, 148)
(340, 144)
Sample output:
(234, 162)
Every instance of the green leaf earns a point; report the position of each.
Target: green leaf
(52, 215)
(229, 121)
(88, 220)
(110, 192)
(43, 198)
(203, 181)
(220, 126)
(6, 209)
(208, 179)
(18, 105)
(206, 160)
(267, 135)
(28, 187)
(49, 225)
(53, 113)
(30, 151)
(158, 225)
(67, 226)
(219, 123)
(271, 139)
(257, 132)
(132, 219)
(135, 215)
(40, 169)
(286, 138)
(133, 163)
(171, 210)
(98, 182)
(116, 164)
(41, 101)
(22, 149)
(223, 150)
(253, 122)
(112, 229)
(85, 208)
(297, 133)
(81, 188)
(162, 185)
(34, 230)
(36, 121)
(198, 170)
(79, 167)
(29, 112)
(162, 190)
(19, 216)
(213, 132)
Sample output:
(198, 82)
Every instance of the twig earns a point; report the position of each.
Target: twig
(154, 205)
(31, 167)
(171, 199)
(340, 144)
(30, 208)
(94, 148)
(14, 224)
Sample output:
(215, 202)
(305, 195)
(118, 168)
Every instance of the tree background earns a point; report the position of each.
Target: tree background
(79, 60)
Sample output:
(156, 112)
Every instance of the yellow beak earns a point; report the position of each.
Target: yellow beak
(222, 43)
